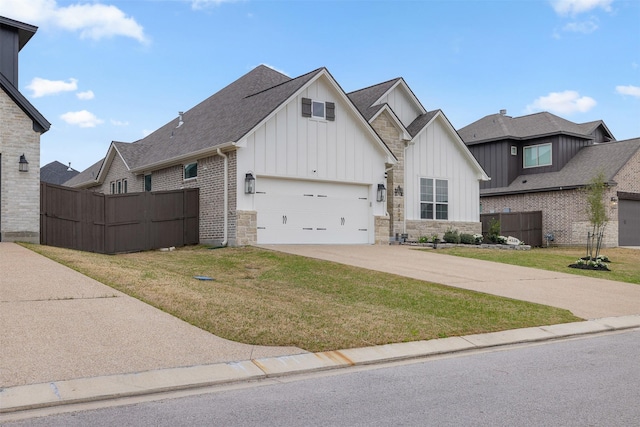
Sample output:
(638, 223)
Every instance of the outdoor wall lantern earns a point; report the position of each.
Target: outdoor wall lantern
(614, 201)
(398, 191)
(249, 183)
(23, 165)
(381, 193)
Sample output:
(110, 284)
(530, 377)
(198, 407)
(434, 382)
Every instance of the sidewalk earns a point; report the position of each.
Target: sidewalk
(57, 324)
(66, 338)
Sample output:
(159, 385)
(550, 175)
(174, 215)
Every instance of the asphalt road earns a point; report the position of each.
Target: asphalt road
(590, 381)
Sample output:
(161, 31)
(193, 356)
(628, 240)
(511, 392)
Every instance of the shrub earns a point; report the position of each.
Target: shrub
(494, 230)
(451, 236)
(478, 238)
(423, 239)
(467, 239)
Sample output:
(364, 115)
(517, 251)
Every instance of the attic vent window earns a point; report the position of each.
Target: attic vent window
(191, 171)
(318, 109)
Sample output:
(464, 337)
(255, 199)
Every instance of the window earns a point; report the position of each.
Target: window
(191, 170)
(113, 187)
(124, 185)
(318, 109)
(537, 155)
(147, 182)
(434, 199)
(514, 150)
(119, 187)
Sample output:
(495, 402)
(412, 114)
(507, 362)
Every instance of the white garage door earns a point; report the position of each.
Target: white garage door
(305, 212)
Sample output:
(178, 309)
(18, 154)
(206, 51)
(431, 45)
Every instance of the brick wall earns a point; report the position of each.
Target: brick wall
(210, 181)
(564, 213)
(247, 228)
(382, 230)
(20, 191)
(628, 178)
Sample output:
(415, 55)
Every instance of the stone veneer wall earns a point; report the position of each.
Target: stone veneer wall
(387, 130)
(382, 230)
(247, 228)
(20, 191)
(427, 228)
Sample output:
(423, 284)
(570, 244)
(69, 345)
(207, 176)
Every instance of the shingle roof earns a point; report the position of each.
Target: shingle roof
(364, 98)
(56, 173)
(420, 122)
(499, 126)
(578, 172)
(87, 176)
(224, 117)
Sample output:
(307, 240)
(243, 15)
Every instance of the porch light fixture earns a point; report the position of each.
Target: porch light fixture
(249, 183)
(381, 193)
(23, 165)
(398, 191)
(614, 201)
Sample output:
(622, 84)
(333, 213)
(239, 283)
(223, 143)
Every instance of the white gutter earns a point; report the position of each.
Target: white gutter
(225, 234)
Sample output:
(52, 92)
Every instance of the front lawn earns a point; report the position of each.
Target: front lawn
(625, 265)
(270, 298)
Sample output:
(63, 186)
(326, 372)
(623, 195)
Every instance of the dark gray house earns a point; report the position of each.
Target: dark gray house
(540, 162)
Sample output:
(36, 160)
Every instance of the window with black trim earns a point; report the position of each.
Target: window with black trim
(434, 199)
(191, 170)
(318, 109)
(147, 182)
(113, 187)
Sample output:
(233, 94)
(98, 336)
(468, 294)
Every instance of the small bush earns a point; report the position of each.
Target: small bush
(494, 231)
(423, 239)
(451, 236)
(467, 239)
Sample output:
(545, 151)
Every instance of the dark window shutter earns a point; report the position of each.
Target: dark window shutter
(331, 111)
(306, 107)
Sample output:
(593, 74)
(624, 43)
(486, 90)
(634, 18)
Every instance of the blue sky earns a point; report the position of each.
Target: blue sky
(110, 70)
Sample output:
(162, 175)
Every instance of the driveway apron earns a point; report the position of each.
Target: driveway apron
(58, 324)
(584, 297)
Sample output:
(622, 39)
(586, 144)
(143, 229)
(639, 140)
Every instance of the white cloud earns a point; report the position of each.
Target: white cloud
(628, 90)
(85, 95)
(575, 7)
(566, 102)
(584, 27)
(119, 123)
(203, 4)
(83, 118)
(91, 20)
(43, 87)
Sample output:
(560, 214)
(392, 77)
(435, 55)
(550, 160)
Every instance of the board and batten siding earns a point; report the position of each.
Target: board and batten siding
(402, 105)
(436, 154)
(289, 145)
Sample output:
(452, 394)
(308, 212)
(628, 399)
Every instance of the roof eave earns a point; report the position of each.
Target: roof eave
(205, 152)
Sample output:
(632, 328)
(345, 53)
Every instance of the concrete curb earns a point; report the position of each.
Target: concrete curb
(32, 396)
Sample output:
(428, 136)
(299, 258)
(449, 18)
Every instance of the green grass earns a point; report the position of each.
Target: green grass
(625, 265)
(269, 298)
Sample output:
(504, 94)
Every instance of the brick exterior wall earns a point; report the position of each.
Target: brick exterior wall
(210, 181)
(628, 178)
(20, 191)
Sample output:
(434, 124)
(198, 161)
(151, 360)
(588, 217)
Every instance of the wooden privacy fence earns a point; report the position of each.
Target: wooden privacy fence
(526, 226)
(109, 224)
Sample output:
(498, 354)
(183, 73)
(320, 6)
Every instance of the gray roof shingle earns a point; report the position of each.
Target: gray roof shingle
(88, 175)
(499, 126)
(364, 98)
(56, 173)
(578, 172)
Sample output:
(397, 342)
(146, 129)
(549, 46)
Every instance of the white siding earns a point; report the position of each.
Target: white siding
(436, 154)
(402, 104)
(288, 145)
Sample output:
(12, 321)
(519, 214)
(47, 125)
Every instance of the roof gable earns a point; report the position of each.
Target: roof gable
(57, 173)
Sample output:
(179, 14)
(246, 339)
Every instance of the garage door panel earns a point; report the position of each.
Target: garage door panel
(629, 222)
(305, 212)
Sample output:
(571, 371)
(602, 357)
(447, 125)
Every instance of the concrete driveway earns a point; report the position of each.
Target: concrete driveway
(585, 297)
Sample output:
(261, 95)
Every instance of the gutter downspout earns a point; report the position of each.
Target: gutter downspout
(225, 238)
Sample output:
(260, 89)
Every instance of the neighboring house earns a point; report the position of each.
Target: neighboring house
(20, 128)
(541, 162)
(57, 173)
(293, 160)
